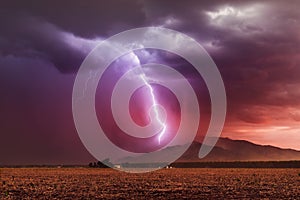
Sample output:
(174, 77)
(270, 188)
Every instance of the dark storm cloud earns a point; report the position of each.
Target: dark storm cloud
(87, 19)
(33, 38)
(235, 42)
(255, 44)
(62, 32)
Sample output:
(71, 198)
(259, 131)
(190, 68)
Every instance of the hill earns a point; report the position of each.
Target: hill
(226, 150)
(239, 150)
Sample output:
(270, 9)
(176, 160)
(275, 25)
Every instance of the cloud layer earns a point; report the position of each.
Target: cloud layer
(256, 46)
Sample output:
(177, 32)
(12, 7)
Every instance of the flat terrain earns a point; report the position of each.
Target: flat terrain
(85, 183)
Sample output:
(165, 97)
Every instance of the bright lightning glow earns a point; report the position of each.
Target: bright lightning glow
(154, 103)
(134, 58)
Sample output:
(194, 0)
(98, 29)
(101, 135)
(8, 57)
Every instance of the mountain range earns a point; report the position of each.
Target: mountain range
(239, 150)
(225, 150)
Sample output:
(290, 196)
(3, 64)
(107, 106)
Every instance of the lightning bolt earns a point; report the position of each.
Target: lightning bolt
(154, 102)
(154, 105)
(90, 77)
(142, 75)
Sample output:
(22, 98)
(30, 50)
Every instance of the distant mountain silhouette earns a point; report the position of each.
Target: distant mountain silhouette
(225, 150)
(239, 150)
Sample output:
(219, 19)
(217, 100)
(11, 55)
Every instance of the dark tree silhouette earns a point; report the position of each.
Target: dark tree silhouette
(101, 164)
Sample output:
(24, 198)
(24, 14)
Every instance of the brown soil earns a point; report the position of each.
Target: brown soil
(85, 183)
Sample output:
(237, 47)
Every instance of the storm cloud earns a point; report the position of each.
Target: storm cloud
(255, 44)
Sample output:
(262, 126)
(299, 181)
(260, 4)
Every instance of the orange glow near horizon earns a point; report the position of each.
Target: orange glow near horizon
(266, 134)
